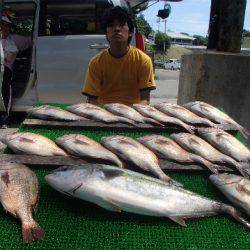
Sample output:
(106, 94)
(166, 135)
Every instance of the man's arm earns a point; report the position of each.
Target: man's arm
(145, 96)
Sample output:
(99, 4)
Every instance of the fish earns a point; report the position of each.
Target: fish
(19, 195)
(212, 113)
(82, 146)
(228, 145)
(97, 113)
(168, 149)
(198, 146)
(235, 188)
(117, 190)
(123, 110)
(183, 114)
(153, 113)
(32, 144)
(51, 112)
(133, 151)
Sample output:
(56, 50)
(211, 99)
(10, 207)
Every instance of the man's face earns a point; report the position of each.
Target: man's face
(118, 33)
(5, 29)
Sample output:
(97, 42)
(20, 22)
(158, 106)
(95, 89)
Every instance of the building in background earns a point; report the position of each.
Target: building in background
(180, 39)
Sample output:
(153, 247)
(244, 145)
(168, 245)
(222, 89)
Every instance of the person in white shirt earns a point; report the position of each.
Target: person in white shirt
(11, 44)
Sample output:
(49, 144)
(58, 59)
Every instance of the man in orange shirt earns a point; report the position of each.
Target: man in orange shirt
(122, 73)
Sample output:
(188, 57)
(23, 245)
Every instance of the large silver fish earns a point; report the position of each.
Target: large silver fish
(117, 190)
(83, 146)
(133, 151)
(31, 144)
(168, 149)
(196, 145)
(120, 109)
(210, 112)
(235, 188)
(51, 112)
(19, 195)
(153, 113)
(183, 114)
(97, 113)
(228, 145)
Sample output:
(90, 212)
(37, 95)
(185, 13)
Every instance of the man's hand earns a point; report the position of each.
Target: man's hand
(92, 100)
(145, 97)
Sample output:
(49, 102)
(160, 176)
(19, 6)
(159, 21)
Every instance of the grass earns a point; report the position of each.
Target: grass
(246, 42)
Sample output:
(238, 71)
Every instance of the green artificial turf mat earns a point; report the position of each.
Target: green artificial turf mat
(74, 224)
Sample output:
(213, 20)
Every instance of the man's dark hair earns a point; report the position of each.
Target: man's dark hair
(119, 14)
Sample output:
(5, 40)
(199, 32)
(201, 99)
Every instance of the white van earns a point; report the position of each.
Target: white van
(66, 35)
(173, 64)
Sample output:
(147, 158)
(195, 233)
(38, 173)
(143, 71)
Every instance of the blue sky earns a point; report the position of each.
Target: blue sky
(190, 16)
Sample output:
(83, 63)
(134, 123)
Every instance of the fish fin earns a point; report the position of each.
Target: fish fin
(32, 231)
(112, 173)
(178, 220)
(77, 141)
(9, 209)
(244, 169)
(110, 205)
(127, 143)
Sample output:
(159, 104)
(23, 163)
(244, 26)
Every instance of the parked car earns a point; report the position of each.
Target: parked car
(173, 64)
(66, 35)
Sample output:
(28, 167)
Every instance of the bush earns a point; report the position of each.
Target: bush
(160, 38)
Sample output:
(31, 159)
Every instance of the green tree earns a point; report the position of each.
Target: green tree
(160, 38)
(200, 40)
(143, 26)
(246, 33)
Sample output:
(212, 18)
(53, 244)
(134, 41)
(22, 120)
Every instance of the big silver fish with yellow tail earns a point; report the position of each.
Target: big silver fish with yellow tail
(19, 195)
(117, 189)
(133, 151)
(235, 188)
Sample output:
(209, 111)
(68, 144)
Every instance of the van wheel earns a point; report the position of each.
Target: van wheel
(172, 68)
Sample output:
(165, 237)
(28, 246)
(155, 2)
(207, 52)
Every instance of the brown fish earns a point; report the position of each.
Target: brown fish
(153, 113)
(83, 146)
(51, 112)
(32, 144)
(183, 114)
(130, 113)
(196, 145)
(133, 151)
(19, 195)
(212, 113)
(168, 149)
(97, 113)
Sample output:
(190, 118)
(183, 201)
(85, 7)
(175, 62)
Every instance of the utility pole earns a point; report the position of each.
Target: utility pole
(165, 32)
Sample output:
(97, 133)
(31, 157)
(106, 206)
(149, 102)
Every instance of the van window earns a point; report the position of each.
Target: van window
(75, 18)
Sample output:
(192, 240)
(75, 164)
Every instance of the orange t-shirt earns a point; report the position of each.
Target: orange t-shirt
(112, 79)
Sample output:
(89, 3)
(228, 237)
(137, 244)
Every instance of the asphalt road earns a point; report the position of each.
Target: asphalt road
(167, 89)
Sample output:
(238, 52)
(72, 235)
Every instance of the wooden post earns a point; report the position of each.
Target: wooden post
(213, 33)
(231, 21)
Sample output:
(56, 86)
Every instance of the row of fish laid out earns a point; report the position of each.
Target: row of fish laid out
(162, 114)
(117, 190)
(219, 147)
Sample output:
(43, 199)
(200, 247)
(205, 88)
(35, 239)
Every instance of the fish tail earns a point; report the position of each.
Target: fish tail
(189, 128)
(170, 181)
(32, 231)
(244, 169)
(223, 208)
(244, 132)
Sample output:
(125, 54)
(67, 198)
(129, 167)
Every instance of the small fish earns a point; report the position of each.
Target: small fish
(183, 114)
(82, 146)
(235, 188)
(228, 145)
(51, 112)
(153, 113)
(166, 148)
(31, 144)
(97, 113)
(117, 189)
(19, 195)
(133, 151)
(120, 109)
(210, 112)
(196, 145)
